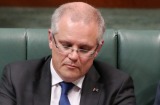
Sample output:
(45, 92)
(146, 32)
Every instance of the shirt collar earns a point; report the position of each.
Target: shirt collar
(57, 79)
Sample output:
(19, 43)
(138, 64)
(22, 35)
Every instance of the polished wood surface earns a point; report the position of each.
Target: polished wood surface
(96, 3)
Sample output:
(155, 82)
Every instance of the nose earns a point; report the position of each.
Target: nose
(73, 55)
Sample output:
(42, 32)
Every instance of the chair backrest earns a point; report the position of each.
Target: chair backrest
(136, 52)
(108, 52)
(37, 43)
(139, 55)
(12, 46)
(18, 44)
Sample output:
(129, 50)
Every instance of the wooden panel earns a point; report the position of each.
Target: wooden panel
(96, 3)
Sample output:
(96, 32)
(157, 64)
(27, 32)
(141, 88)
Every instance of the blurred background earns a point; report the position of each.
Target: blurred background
(118, 14)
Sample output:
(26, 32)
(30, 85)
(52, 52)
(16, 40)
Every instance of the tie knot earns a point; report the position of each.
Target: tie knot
(66, 86)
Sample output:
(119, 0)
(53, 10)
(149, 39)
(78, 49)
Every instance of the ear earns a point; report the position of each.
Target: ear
(99, 48)
(50, 38)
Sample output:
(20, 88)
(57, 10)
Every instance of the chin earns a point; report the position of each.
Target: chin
(70, 77)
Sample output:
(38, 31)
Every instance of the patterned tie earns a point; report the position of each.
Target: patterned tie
(65, 88)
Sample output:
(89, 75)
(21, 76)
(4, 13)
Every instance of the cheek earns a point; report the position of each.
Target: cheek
(57, 59)
(86, 64)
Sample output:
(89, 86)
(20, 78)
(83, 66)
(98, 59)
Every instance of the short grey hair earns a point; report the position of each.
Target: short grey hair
(79, 11)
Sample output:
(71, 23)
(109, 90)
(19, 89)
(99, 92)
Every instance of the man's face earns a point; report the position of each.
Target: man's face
(77, 35)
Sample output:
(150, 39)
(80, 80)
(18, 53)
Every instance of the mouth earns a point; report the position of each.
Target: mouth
(71, 66)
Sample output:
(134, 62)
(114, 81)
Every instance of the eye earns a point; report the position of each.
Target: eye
(83, 50)
(66, 45)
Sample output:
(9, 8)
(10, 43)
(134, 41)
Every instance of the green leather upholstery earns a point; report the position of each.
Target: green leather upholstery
(139, 55)
(136, 52)
(12, 46)
(108, 52)
(37, 43)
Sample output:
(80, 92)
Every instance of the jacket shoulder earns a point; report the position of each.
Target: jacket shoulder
(24, 65)
(29, 69)
(109, 72)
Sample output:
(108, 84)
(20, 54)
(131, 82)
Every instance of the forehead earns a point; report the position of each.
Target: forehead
(77, 31)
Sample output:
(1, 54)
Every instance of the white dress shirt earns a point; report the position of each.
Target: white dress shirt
(74, 94)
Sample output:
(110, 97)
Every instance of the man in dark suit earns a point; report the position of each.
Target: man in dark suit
(75, 38)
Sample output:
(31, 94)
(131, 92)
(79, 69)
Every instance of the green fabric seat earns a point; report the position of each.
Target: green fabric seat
(108, 52)
(12, 46)
(37, 43)
(139, 55)
(136, 52)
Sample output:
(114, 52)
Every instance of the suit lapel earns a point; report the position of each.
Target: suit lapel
(91, 89)
(42, 92)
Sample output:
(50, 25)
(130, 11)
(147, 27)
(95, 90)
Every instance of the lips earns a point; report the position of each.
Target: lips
(71, 66)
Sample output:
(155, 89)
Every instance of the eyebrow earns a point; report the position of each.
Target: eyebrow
(80, 44)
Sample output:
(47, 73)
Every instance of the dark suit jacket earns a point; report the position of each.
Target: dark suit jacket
(157, 98)
(29, 83)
